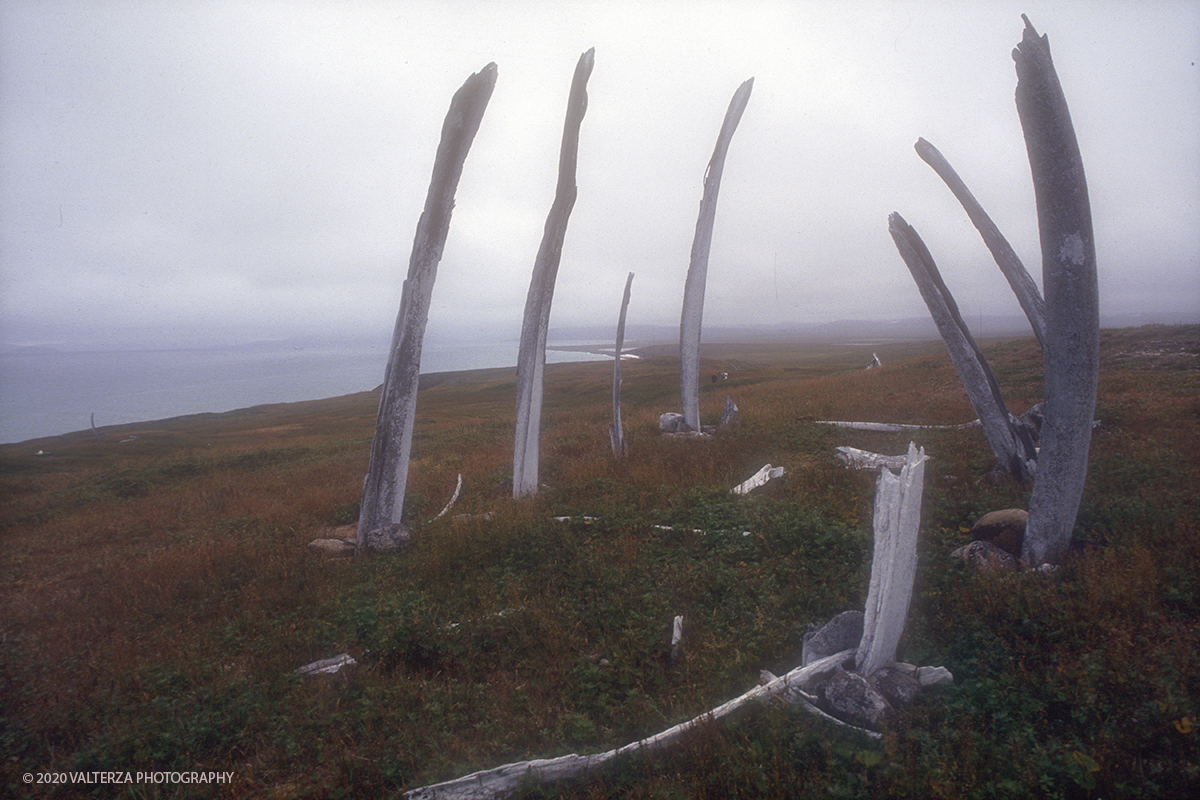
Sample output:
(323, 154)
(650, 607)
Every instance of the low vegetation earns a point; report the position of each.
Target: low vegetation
(157, 595)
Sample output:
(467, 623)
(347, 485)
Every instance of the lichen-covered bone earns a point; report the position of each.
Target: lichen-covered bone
(1013, 448)
(1071, 357)
(1006, 258)
(383, 489)
(531, 357)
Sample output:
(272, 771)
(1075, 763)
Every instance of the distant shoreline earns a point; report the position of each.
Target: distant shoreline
(52, 394)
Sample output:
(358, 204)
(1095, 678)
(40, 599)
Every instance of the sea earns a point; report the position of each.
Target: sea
(47, 392)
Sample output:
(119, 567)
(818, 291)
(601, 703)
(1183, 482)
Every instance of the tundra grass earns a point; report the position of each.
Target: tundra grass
(157, 595)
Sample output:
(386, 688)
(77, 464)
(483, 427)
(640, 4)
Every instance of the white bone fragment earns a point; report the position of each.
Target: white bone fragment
(758, 479)
(894, 564)
(453, 499)
(328, 666)
(500, 780)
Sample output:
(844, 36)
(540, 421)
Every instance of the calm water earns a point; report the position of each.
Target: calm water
(50, 393)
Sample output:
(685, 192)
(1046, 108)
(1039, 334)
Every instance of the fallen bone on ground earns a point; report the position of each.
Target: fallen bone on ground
(876, 683)
(503, 779)
(328, 666)
(758, 479)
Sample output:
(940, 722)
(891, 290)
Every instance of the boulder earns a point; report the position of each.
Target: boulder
(672, 422)
(852, 698)
(897, 686)
(339, 542)
(987, 556)
(1005, 529)
(933, 676)
(843, 632)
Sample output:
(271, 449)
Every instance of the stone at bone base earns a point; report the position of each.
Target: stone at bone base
(842, 632)
(896, 685)
(933, 676)
(1005, 529)
(989, 557)
(852, 698)
(672, 422)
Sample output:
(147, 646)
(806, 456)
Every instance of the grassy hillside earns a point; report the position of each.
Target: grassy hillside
(156, 593)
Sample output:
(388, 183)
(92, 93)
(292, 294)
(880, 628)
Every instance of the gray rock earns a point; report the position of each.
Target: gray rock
(987, 556)
(843, 632)
(852, 698)
(933, 676)
(896, 685)
(387, 537)
(672, 422)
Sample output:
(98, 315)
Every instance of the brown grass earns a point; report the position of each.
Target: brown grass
(166, 579)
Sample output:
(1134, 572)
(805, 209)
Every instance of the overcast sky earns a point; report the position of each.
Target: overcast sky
(222, 171)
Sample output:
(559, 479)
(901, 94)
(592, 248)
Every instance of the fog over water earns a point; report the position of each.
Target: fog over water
(197, 176)
(201, 173)
(47, 393)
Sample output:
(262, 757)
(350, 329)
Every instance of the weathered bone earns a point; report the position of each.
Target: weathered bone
(693, 288)
(383, 489)
(894, 427)
(327, 666)
(1006, 258)
(897, 517)
(615, 431)
(531, 358)
(758, 479)
(798, 698)
(893, 567)
(854, 458)
(1014, 451)
(500, 780)
(729, 414)
(1071, 357)
(453, 499)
